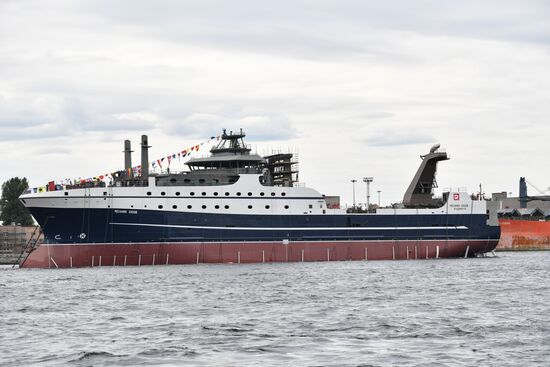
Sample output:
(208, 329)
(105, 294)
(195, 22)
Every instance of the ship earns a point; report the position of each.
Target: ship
(525, 226)
(236, 206)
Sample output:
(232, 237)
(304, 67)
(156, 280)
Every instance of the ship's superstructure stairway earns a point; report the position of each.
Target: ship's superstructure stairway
(32, 243)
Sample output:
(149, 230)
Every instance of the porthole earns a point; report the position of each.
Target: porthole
(249, 194)
(145, 206)
(250, 207)
(226, 194)
(174, 206)
(192, 193)
(204, 206)
(177, 193)
(215, 194)
(262, 194)
(160, 206)
(148, 193)
(286, 207)
(108, 206)
(163, 193)
(217, 206)
(104, 193)
(272, 194)
(267, 206)
(131, 206)
(203, 193)
(226, 207)
(189, 206)
(283, 193)
(238, 194)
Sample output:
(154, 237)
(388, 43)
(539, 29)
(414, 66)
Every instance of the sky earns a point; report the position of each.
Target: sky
(357, 88)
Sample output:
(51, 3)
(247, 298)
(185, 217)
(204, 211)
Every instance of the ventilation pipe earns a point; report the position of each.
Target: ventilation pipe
(128, 159)
(144, 158)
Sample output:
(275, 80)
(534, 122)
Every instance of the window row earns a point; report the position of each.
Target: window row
(215, 207)
(163, 193)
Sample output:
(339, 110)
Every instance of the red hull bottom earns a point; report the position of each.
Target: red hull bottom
(126, 254)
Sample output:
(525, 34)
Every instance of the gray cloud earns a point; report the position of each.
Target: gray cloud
(323, 74)
(326, 29)
(398, 137)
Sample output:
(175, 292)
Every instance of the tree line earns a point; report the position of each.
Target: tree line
(11, 208)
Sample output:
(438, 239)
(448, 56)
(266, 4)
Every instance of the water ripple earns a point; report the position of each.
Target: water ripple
(490, 312)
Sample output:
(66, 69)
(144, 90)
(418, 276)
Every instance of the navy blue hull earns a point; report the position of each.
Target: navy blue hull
(122, 226)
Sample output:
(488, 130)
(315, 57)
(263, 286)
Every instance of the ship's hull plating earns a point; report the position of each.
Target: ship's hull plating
(517, 234)
(101, 237)
(164, 253)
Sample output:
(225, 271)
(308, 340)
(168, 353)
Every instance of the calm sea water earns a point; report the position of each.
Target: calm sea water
(474, 312)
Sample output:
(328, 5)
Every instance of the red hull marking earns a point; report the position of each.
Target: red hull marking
(524, 235)
(87, 255)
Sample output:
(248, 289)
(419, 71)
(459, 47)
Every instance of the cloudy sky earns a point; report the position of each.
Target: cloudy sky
(359, 88)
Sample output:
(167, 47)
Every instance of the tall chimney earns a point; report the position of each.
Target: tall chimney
(144, 158)
(128, 158)
(522, 193)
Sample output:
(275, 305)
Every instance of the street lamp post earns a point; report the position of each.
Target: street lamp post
(353, 183)
(368, 180)
(379, 191)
